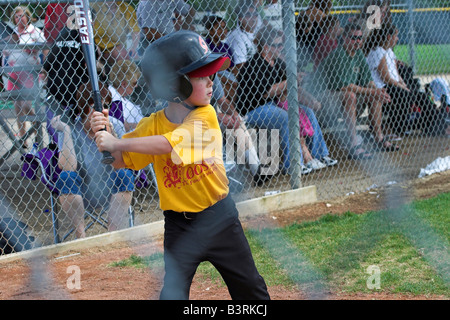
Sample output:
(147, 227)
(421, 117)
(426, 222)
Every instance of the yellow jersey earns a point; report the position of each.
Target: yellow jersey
(192, 177)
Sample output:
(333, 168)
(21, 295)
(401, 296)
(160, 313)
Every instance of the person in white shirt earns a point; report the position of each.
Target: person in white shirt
(383, 66)
(24, 33)
(241, 39)
(123, 77)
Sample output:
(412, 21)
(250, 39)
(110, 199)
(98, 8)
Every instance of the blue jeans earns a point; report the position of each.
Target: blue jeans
(316, 143)
(270, 116)
(71, 182)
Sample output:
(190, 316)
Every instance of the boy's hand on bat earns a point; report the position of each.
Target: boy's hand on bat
(105, 141)
(100, 121)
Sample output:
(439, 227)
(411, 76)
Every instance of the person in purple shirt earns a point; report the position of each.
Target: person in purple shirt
(217, 32)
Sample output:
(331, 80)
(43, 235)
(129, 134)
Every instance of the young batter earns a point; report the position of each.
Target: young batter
(184, 143)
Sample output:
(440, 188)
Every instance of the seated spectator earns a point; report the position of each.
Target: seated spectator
(383, 66)
(261, 81)
(262, 85)
(231, 122)
(123, 77)
(344, 85)
(65, 68)
(24, 33)
(328, 41)
(155, 19)
(405, 90)
(304, 49)
(314, 148)
(232, 12)
(441, 91)
(241, 39)
(83, 176)
(373, 14)
(114, 21)
(316, 12)
(309, 29)
(217, 32)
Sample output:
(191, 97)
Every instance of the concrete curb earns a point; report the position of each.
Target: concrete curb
(250, 208)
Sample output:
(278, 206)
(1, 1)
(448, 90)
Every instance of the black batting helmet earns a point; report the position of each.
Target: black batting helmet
(170, 61)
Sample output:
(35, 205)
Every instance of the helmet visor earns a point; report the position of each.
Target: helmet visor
(211, 68)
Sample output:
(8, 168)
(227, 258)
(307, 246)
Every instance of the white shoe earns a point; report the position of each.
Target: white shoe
(393, 137)
(315, 164)
(329, 161)
(305, 170)
(229, 166)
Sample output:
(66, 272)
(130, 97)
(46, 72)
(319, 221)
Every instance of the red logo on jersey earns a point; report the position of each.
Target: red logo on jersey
(172, 174)
(177, 176)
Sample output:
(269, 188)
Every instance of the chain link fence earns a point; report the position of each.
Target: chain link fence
(344, 95)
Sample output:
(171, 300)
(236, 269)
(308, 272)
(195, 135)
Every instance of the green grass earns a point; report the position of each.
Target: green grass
(430, 59)
(409, 246)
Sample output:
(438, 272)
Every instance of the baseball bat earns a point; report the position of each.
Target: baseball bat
(87, 44)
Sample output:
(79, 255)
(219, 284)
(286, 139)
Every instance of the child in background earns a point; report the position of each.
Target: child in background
(123, 77)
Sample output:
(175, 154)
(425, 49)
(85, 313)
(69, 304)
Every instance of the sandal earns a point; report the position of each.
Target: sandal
(386, 145)
(362, 155)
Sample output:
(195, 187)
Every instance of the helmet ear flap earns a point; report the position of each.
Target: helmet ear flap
(176, 90)
(184, 88)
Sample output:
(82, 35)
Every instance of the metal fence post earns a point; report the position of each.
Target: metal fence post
(412, 35)
(290, 48)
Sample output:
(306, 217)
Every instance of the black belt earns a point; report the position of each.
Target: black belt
(191, 215)
(184, 214)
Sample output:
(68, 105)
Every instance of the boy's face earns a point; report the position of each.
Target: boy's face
(202, 89)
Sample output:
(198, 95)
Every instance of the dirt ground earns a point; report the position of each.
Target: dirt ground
(99, 281)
